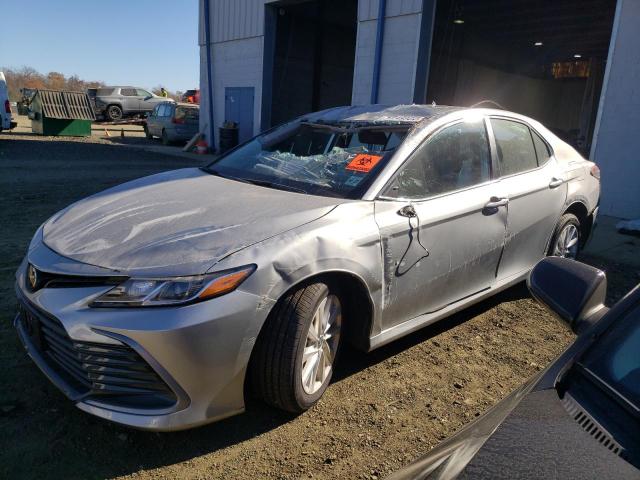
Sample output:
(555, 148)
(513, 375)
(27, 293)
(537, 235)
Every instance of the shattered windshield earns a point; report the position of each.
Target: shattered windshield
(316, 159)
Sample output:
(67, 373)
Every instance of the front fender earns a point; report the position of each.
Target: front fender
(346, 240)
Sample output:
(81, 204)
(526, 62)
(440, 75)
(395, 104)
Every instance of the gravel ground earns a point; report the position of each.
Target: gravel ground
(382, 410)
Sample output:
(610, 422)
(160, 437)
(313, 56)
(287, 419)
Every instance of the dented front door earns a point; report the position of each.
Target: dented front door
(438, 251)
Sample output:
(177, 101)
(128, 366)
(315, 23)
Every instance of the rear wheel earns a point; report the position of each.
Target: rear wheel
(114, 113)
(566, 237)
(296, 351)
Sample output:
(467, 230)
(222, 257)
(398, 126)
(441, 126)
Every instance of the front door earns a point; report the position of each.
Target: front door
(536, 190)
(441, 223)
(146, 101)
(152, 121)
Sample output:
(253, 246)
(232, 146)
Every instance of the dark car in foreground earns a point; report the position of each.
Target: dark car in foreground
(580, 418)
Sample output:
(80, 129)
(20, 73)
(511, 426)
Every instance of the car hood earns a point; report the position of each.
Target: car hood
(176, 223)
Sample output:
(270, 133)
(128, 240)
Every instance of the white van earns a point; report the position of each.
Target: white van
(5, 106)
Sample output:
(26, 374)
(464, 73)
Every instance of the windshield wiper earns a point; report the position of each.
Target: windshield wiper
(215, 172)
(278, 186)
(262, 183)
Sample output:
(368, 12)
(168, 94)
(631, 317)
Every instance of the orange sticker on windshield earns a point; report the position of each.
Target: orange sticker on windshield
(363, 162)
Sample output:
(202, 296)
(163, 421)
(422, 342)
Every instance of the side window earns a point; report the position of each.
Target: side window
(154, 112)
(142, 93)
(456, 157)
(515, 146)
(542, 149)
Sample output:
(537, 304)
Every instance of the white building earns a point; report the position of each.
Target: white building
(572, 64)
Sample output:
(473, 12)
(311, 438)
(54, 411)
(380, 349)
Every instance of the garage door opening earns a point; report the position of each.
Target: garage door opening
(313, 56)
(544, 59)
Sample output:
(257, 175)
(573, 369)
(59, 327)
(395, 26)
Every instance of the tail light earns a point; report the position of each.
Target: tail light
(179, 121)
(595, 172)
(7, 106)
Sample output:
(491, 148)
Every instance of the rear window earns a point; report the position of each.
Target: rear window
(128, 92)
(516, 152)
(542, 149)
(189, 115)
(104, 92)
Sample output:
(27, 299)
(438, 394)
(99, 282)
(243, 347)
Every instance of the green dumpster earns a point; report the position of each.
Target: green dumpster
(56, 112)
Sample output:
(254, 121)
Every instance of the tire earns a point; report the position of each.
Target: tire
(165, 138)
(567, 232)
(277, 365)
(147, 134)
(114, 113)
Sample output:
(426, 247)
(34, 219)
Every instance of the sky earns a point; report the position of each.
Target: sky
(143, 43)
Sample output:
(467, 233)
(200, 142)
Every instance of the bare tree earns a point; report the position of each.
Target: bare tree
(27, 77)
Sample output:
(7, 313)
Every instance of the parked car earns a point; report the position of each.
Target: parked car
(151, 303)
(173, 122)
(115, 103)
(579, 418)
(6, 122)
(191, 96)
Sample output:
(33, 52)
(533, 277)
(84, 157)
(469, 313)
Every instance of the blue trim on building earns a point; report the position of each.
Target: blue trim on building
(207, 40)
(375, 83)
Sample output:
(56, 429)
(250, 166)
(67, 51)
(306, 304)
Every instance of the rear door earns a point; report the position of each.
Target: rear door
(536, 189)
(130, 103)
(441, 225)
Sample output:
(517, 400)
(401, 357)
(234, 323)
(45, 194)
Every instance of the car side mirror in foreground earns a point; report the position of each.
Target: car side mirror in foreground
(573, 291)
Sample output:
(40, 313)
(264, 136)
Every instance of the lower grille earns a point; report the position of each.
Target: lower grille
(114, 374)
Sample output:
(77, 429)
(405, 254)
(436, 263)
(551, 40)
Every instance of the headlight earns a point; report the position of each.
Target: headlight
(150, 292)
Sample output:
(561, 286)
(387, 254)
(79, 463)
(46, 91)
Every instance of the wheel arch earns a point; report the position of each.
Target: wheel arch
(358, 304)
(352, 287)
(580, 210)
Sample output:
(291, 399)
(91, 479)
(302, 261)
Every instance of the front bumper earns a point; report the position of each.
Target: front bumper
(197, 355)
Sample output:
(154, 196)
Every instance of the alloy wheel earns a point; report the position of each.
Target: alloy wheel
(321, 344)
(567, 242)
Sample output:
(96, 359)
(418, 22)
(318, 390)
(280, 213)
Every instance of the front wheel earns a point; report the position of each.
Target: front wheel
(165, 138)
(566, 237)
(296, 351)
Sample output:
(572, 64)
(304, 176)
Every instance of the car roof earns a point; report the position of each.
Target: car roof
(382, 114)
(123, 86)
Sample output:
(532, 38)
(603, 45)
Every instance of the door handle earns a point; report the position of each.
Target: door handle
(496, 202)
(407, 211)
(555, 182)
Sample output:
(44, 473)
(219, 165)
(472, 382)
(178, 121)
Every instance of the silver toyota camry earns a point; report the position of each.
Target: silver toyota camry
(163, 302)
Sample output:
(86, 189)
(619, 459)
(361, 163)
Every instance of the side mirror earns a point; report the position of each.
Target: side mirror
(573, 291)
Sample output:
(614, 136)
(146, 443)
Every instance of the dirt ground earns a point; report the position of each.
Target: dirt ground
(382, 410)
